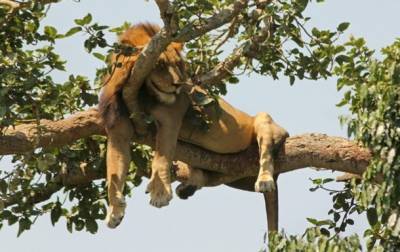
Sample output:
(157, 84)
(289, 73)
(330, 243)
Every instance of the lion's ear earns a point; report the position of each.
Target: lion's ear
(177, 46)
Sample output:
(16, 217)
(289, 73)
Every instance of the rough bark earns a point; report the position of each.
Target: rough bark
(26, 137)
(308, 150)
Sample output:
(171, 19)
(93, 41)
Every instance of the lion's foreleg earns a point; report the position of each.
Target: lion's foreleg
(269, 135)
(168, 121)
(264, 134)
(118, 159)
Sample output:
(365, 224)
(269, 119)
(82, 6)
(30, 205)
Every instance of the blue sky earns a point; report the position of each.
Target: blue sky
(216, 219)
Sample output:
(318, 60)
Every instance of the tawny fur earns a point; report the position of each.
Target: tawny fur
(231, 131)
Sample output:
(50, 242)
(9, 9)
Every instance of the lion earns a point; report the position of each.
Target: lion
(167, 90)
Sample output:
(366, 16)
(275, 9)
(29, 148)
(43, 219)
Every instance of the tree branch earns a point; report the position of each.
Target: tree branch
(308, 150)
(225, 68)
(192, 31)
(25, 137)
(56, 184)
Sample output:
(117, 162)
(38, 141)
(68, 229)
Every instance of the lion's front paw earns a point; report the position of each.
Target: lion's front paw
(160, 193)
(263, 186)
(115, 214)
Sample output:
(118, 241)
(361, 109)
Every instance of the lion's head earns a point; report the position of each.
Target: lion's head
(169, 73)
(163, 82)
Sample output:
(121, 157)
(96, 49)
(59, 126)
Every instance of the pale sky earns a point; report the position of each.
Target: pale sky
(215, 219)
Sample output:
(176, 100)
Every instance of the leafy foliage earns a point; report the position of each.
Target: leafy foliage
(373, 97)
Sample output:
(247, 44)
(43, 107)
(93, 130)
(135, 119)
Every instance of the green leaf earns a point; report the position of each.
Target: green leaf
(87, 19)
(12, 219)
(292, 79)
(55, 213)
(84, 21)
(91, 226)
(396, 74)
(79, 225)
(325, 232)
(50, 31)
(350, 221)
(343, 26)
(312, 221)
(99, 56)
(24, 224)
(342, 58)
(69, 225)
(372, 216)
(72, 31)
(327, 180)
(3, 186)
(233, 80)
(317, 181)
(336, 217)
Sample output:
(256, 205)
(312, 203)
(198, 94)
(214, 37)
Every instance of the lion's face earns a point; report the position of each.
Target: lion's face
(167, 78)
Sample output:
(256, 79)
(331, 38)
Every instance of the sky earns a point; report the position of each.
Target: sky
(221, 218)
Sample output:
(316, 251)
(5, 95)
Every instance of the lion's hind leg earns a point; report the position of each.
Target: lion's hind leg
(192, 179)
(268, 135)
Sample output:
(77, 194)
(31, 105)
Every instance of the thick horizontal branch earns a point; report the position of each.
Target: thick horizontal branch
(308, 150)
(25, 137)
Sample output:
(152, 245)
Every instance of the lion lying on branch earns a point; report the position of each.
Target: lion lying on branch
(166, 96)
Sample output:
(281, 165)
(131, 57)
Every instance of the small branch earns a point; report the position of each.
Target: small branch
(55, 185)
(167, 15)
(222, 70)
(193, 31)
(40, 196)
(230, 32)
(225, 68)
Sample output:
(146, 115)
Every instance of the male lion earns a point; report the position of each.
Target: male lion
(231, 130)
